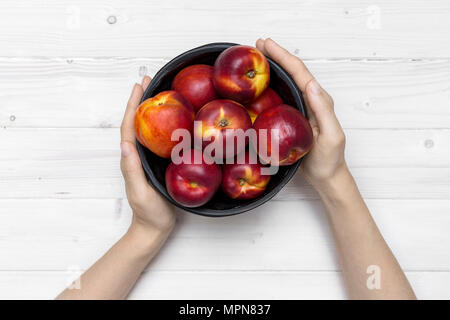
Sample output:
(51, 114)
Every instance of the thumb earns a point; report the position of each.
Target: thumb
(322, 107)
(133, 174)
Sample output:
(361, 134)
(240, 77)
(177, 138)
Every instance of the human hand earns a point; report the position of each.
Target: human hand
(325, 162)
(359, 242)
(151, 213)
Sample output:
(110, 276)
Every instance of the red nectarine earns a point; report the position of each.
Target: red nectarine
(157, 117)
(268, 99)
(219, 120)
(196, 84)
(244, 181)
(193, 184)
(294, 138)
(241, 73)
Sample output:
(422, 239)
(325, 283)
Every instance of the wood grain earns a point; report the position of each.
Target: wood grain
(67, 179)
(84, 163)
(350, 28)
(51, 234)
(220, 285)
(85, 92)
(365, 148)
(66, 70)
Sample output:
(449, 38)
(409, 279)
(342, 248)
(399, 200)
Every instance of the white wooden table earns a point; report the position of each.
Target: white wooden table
(66, 70)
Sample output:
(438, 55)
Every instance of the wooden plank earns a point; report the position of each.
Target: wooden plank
(92, 179)
(218, 285)
(281, 250)
(383, 183)
(57, 92)
(51, 234)
(84, 163)
(350, 28)
(365, 148)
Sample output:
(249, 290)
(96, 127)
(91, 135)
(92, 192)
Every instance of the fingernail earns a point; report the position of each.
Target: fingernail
(125, 148)
(135, 88)
(315, 87)
(145, 79)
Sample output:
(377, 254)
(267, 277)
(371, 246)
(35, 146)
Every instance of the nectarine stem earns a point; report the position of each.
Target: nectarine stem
(223, 122)
(251, 74)
(193, 184)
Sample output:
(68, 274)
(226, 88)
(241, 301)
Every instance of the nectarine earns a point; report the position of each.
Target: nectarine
(156, 119)
(196, 84)
(193, 184)
(268, 99)
(241, 73)
(287, 129)
(244, 181)
(220, 120)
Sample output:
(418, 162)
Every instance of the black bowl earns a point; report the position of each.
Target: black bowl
(155, 167)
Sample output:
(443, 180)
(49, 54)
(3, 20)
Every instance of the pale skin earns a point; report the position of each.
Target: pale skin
(114, 275)
(358, 241)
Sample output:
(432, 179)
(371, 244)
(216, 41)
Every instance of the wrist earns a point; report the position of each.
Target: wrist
(337, 186)
(341, 198)
(146, 238)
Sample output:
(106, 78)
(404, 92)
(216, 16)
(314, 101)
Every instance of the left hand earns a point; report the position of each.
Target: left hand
(151, 212)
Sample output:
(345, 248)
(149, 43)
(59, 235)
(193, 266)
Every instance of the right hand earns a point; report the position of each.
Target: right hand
(326, 160)
(151, 213)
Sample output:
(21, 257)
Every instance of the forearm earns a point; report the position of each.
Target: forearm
(113, 276)
(360, 244)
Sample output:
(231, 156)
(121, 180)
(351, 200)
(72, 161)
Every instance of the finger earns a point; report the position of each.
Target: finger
(127, 128)
(131, 167)
(310, 114)
(260, 46)
(321, 105)
(145, 82)
(293, 65)
(311, 118)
